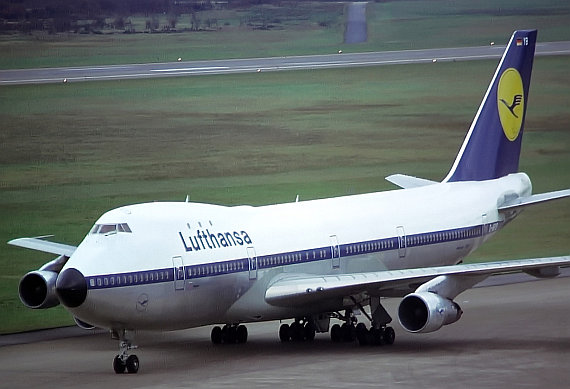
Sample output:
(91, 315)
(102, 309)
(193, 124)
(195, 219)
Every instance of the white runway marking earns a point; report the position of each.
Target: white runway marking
(191, 69)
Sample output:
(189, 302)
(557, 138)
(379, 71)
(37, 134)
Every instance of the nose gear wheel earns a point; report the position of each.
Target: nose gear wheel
(123, 361)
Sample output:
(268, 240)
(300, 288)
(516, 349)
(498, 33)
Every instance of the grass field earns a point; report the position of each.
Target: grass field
(298, 28)
(69, 152)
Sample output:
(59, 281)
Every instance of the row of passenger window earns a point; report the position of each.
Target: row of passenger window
(217, 268)
(444, 236)
(131, 279)
(378, 245)
(413, 240)
(292, 258)
(263, 262)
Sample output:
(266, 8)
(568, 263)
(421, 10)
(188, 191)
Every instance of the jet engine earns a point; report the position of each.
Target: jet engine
(37, 289)
(81, 324)
(427, 312)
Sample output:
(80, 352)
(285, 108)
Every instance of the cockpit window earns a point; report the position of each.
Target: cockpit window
(110, 228)
(124, 227)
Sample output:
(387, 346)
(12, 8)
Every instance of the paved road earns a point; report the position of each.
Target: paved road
(117, 72)
(509, 336)
(356, 28)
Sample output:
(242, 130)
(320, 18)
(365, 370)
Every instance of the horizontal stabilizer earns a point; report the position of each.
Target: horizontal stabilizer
(44, 245)
(534, 199)
(407, 182)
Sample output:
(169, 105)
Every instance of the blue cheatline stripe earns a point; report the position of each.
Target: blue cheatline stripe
(129, 279)
(157, 276)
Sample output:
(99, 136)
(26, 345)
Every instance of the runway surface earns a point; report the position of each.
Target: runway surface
(120, 72)
(509, 336)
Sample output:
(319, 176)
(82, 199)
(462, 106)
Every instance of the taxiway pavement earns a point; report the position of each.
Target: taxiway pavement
(509, 336)
(170, 69)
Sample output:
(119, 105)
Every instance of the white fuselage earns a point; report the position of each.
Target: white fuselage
(184, 265)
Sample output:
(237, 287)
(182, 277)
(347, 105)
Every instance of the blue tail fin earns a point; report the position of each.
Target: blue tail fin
(493, 144)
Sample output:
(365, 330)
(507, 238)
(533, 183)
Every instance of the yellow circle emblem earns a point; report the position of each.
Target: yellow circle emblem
(510, 102)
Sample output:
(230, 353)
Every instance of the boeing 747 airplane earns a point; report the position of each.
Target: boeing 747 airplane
(169, 266)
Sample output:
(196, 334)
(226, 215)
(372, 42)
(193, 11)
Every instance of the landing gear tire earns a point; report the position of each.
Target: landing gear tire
(241, 334)
(216, 335)
(118, 365)
(123, 360)
(389, 336)
(296, 332)
(362, 334)
(336, 333)
(284, 333)
(376, 337)
(348, 332)
(229, 334)
(132, 364)
(309, 332)
(301, 330)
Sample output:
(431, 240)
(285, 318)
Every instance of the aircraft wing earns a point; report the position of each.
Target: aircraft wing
(45, 246)
(406, 182)
(300, 290)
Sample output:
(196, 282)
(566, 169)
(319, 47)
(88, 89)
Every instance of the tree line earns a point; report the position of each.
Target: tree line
(93, 15)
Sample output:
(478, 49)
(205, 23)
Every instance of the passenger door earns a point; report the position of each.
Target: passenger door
(179, 273)
(252, 260)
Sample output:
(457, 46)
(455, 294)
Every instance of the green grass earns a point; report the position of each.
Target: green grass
(305, 28)
(419, 24)
(69, 152)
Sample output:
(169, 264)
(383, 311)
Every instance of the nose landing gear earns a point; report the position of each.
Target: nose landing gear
(123, 361)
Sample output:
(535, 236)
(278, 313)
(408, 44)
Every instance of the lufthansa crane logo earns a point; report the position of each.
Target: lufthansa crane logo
(510, 102)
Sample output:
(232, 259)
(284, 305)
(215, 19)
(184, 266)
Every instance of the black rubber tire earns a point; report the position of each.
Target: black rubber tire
(241, 334)
(389, 336)
(336, 333)
(309, 332)
(296, 332)
(348, 333)
(118, 365)
(229, 334)
(216, 335)
(284, 333)
(362, 334)
(376, 337)
(132, 364)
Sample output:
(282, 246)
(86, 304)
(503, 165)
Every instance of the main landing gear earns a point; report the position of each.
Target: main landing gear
(379, 333)
(347, 331)
(302, 329)
(375, 336)
(123, 361)
(229, 334)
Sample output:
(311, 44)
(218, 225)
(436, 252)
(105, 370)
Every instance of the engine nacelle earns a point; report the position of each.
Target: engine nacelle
(427, 312)
(81, 324)
(37, 289)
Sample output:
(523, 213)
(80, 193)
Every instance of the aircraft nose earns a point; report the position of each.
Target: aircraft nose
(71, 288)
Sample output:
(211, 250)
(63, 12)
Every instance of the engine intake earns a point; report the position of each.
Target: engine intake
(37, 289)
(427, 312)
